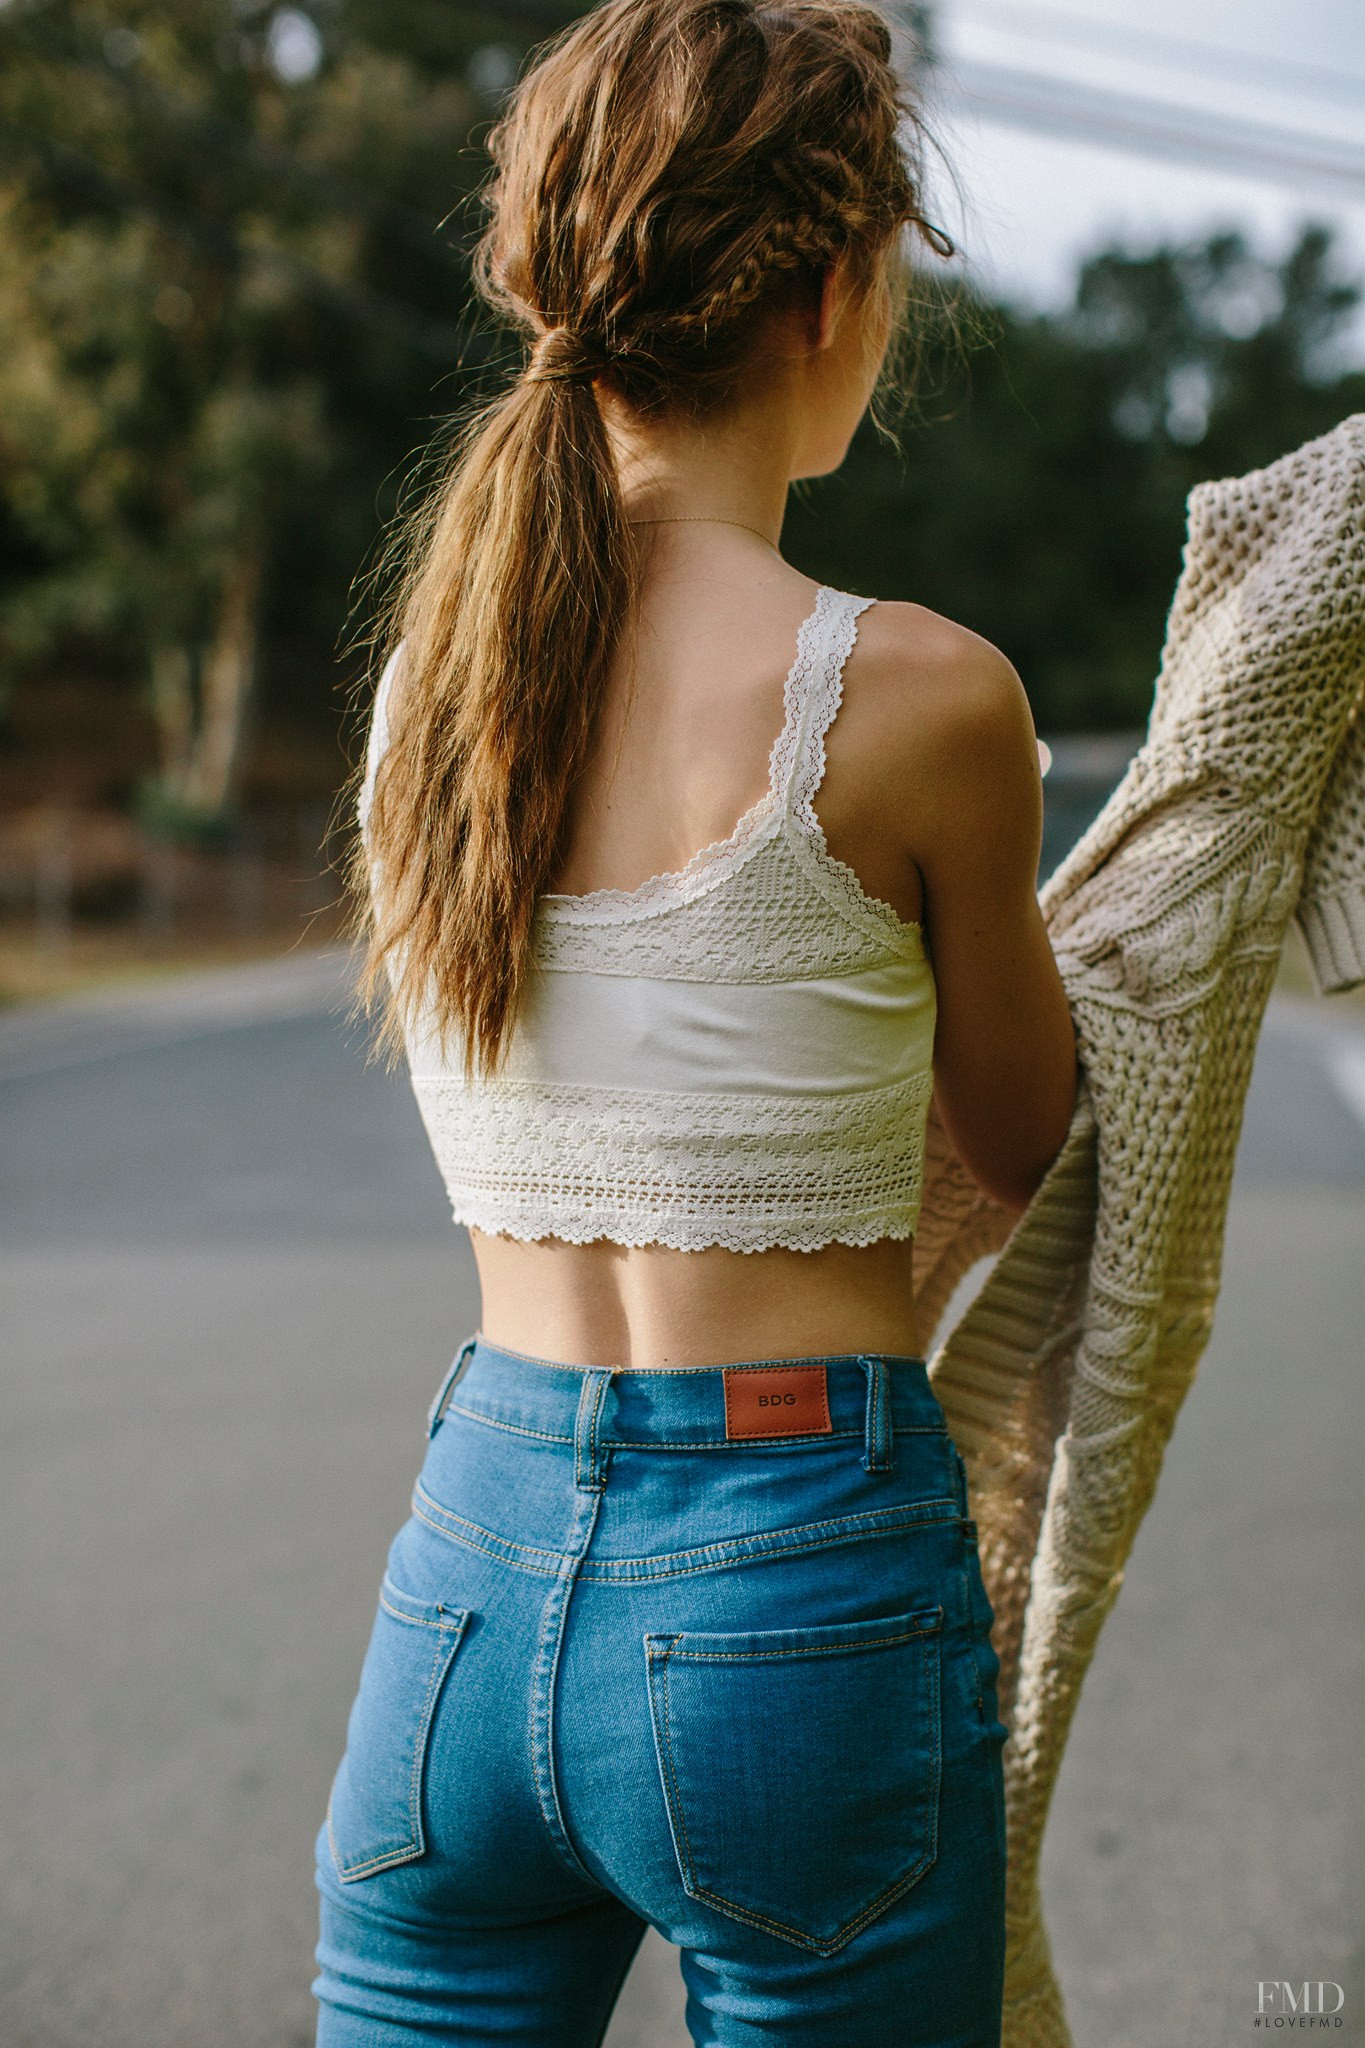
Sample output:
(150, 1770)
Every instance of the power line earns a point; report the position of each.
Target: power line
(1187, 52)
(1058, 107)
(1054, 106)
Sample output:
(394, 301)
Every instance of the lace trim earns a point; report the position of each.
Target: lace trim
(841, 887)
(686, 1170)
(811, 697)
(712, 863)
(807, 685)
(823, 698)
(706, 868)
(789, 919)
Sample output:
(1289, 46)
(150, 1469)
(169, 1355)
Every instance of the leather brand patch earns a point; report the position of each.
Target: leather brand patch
(777, 1400)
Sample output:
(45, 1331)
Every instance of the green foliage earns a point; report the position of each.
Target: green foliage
(234, 301)
(225, 294)
(1040, 499)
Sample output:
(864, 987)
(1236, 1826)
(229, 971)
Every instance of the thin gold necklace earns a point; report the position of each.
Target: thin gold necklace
(703, 519)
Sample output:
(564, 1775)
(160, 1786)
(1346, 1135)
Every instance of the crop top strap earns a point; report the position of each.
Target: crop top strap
(378, 739)
(814, 690)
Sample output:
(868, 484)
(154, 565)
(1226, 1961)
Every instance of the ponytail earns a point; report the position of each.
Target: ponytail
(665, 173)
(508, 628)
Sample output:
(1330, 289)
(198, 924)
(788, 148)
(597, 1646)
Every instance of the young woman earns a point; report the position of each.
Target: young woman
(687, 1626)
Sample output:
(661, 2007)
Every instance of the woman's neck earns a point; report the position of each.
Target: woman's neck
(734, 465)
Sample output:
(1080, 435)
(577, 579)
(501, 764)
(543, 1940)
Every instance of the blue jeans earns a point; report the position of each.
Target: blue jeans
(707, 1649)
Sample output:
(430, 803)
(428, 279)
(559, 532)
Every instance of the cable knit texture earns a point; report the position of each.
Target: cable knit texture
(738, 1054)
(1062, 1381)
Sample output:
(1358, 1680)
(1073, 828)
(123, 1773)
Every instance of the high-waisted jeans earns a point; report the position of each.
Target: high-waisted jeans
(704, 1648)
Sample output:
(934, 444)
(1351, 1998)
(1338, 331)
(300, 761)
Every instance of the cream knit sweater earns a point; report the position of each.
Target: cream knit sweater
(1062, 1382)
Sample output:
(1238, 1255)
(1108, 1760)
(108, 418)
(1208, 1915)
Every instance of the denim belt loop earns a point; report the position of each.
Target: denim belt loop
(878, 1449)
(436, 1412)
(589, 1451)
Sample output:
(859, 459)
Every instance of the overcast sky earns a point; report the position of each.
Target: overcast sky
(1292, 71)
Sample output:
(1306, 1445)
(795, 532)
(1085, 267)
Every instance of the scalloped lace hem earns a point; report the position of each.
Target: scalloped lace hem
(684, 1233)
(684, 1169)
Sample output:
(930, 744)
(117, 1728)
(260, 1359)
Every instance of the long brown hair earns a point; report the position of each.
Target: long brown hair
(666, 173)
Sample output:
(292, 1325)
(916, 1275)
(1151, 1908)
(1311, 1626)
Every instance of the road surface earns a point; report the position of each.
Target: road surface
(230, 1286)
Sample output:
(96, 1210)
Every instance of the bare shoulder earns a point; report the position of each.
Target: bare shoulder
(945, 704)
(939, 679)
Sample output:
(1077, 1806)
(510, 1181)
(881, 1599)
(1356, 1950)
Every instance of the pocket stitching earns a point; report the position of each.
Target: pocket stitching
(825, 1650)
(675, 1802)
(415, 1846)
(722, 1555)
(931, 1667)
(454, 1624)
(924, 1621)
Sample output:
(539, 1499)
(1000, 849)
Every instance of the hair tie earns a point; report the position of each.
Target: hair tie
(563, 356)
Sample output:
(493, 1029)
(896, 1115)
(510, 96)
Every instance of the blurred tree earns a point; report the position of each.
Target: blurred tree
(234, 306)
(149, 467)
(225, 295)
(1040, 499)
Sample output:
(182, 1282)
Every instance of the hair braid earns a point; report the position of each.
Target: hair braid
(666, 173)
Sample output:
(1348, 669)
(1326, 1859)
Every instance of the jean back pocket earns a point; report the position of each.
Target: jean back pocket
(801, 1768)
(374, 1816)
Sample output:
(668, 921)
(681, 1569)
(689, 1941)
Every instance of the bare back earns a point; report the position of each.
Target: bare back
(692, 710)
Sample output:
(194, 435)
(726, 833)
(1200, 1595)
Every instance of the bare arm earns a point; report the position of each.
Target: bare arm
(1005, 1050)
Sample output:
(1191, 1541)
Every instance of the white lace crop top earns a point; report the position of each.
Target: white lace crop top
(736, 1054)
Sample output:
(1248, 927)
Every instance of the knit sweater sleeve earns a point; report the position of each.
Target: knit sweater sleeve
(1331, 908)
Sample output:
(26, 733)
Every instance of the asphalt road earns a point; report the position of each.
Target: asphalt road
(229, 1287)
